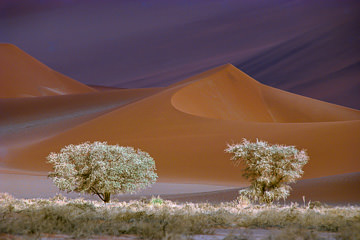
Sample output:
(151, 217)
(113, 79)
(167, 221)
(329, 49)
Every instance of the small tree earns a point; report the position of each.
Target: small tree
(101, 169)
(269, 168)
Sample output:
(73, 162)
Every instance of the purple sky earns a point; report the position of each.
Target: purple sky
(309, 47)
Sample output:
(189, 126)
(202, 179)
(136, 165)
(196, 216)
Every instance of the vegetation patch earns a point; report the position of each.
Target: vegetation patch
(269, 168)
(102, 169)
(155, 220)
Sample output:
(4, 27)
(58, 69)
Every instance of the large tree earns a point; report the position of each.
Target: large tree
(269, 168)
(101, 169)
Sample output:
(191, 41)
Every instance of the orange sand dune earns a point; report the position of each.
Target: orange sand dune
(188, 140)
(34, 119)
(23, 76)
(233, 95)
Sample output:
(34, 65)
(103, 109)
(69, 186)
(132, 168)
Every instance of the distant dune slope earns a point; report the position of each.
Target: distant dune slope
(23, 76)
(189, 148)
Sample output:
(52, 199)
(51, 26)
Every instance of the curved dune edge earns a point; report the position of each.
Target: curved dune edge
(229, 94)
(23, 76)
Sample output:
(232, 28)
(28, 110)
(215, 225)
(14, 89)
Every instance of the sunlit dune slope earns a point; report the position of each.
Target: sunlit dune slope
(188, 142)
(23, 76)
(233, 95)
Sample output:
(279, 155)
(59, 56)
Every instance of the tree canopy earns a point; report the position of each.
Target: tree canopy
(269, 168)
(102, 169)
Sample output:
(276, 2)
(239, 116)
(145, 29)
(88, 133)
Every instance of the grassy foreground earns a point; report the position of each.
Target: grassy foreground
(158, 219)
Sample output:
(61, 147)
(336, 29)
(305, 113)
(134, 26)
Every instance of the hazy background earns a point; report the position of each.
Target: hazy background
(307, 47)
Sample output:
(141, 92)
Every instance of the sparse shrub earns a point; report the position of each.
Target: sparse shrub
(58, 197)
(156, 200)
(269, 168)
(315, 204)
(101, 169)
(6, 197)
(242, 201)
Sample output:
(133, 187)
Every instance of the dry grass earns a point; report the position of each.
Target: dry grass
(156, 219)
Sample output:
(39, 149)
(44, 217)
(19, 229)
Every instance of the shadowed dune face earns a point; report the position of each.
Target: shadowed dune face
(230, 94)
(23, 76)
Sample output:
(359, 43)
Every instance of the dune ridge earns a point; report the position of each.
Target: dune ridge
(233, 95)
(23, 76)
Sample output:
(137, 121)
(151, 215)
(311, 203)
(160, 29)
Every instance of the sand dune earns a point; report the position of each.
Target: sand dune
(233, 95)
(29, 120)
(310, 48)
(188, 143)
(23, 76)
(184, 126)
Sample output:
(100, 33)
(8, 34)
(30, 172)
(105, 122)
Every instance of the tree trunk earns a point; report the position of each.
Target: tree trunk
(106, 197)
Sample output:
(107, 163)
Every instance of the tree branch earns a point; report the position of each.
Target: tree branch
(97, 193)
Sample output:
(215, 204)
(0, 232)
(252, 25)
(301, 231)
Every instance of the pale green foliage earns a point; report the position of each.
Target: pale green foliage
(269, 168)
(156, 200)
(98, 168)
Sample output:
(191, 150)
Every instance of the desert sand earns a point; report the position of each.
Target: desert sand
(185, 127)
(23, 76)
